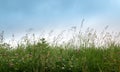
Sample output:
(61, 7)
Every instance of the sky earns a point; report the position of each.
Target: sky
(18, 16)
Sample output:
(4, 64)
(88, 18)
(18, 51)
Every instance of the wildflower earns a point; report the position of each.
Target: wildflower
(71, 66)
(23, 59)
(63, 67)
(16, 54)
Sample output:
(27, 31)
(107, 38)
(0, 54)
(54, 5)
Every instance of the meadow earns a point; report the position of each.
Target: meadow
(84, 52)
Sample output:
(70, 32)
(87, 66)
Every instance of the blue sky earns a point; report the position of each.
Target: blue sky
(17, 16)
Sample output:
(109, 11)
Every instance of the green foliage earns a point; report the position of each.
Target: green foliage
(42, 57)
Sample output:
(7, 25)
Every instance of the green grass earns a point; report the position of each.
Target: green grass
(41, 56)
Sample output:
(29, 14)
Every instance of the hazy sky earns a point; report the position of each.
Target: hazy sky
(17, 16)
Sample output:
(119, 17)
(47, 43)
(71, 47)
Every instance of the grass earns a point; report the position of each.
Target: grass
(41, 56)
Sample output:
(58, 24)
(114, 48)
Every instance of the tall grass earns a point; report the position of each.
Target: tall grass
(86, 52)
